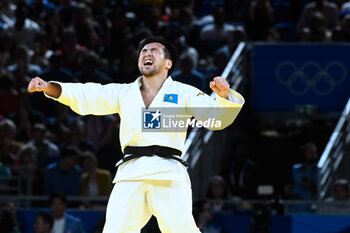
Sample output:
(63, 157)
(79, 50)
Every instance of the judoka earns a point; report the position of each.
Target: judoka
(152, 178)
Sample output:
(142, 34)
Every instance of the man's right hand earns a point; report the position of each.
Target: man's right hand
(37, 85)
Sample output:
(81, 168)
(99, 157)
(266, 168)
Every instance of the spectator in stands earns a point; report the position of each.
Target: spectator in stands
(8, 221)
(327, 8)
(187, 74)
(317, 31)
(215, 35)
(24, 29)
(77, 136)
(22, 69)
(65, 175)
(305, 173)
(71, 50)
(42, 53)
(43, 223)
(47, 151)
(63, 222)
(341, 193)
(54, 31)
(180, 41)
(25, 117)
(32, 177)
(9, 97)
(55, 70)
(84, 26)
(240, 172)
(8, 47)
(342, 32)
(218, 192)
(7, 12)
(89, 71)
(8, 145)
(95, 182)
(260, 20)
(238, 35)
(5, 178)
(203, 215)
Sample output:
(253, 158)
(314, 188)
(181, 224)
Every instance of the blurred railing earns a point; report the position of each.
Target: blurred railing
(335, 154)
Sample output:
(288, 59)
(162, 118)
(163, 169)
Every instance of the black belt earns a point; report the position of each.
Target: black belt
(161, 151)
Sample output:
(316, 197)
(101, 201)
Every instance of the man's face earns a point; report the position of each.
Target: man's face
(58, 207)
(152, 59)
(40, 226)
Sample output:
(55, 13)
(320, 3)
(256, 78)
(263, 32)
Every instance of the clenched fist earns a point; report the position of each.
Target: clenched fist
(37, 84)
(220, 86)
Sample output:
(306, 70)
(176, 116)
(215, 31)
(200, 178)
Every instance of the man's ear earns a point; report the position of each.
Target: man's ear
(169, 64)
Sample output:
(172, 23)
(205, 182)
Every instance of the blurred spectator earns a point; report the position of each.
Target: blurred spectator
(240, 172)
(9, 98)
(24, 29)
(341, 193)
(345, 8)
(305, 173)
(54, 31)
(8, 221)
(127, 69)
(63, 222)
(215, 35)
(218, 192)
(41, 51)
(317, 31)
(100, 129)
(39, 10)
(47, 152)
(89, 71)
(95, 182)
(55, 71)
(43, 223)
(77, 136)
(67, 10)
(260, 20)
(84, 26)
(328, 9)
(7, 11)
(59, 123)
(180, 41)
(8, 145)
(187, 74)
(238, 35)
(8, 48)
(32, 178)
(342, 32)
(65, 175)
(26, 116)
(22, 69)
(71, 50)
(203, 215)
(5, 177)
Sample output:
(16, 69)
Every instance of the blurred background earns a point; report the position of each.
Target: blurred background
(283, 166)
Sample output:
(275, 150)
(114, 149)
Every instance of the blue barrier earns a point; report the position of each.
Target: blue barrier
(288, 75)
(233, 223)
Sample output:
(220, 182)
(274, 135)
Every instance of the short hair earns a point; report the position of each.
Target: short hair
(343, 183)
(70, 151)
(169, 49)
(47, 218)
(60, 196)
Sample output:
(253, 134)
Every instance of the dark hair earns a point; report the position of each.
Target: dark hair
(70, 151)
(60, 196)
(169, 49)
(47, 218)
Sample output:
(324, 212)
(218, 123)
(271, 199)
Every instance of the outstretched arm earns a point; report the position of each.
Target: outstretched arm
(52, 89)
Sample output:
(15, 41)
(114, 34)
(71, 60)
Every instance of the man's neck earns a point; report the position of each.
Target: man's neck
(153, 83)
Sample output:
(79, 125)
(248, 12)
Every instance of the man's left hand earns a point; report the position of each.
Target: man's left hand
(220, 86)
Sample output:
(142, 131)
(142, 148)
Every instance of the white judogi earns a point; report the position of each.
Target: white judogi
(147, 185)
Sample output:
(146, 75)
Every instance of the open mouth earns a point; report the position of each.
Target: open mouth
(148, 62)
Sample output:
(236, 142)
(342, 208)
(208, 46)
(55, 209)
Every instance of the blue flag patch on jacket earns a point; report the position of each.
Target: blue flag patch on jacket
(172, 98)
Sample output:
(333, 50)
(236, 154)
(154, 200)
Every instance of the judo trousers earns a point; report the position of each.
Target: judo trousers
(133, 202)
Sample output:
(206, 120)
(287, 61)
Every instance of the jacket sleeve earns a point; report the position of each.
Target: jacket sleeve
(90, 98)
(206, 108)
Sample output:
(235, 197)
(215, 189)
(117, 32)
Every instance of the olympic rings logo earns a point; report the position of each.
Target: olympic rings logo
(310, 76)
